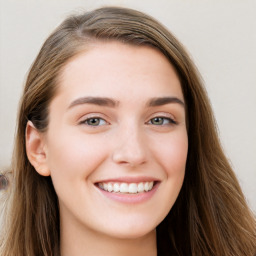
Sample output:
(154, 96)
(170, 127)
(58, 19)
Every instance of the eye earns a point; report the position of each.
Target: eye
(94, 121)
(161, 121)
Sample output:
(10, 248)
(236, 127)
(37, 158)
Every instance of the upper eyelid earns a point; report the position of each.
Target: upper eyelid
(163, 115)
(87, 117)
(172, 121)
(93, 115)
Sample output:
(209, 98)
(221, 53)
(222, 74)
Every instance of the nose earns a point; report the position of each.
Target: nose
(130, 148)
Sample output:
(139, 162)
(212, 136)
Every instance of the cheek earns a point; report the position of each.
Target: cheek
(74, 156)
(173, 160)
(172, 154)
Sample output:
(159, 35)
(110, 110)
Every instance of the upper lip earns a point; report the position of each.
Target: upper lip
(128, 179)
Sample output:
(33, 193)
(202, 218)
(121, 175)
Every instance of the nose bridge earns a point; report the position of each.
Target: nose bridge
(130, 145)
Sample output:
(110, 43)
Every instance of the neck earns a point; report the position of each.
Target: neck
(80, 242)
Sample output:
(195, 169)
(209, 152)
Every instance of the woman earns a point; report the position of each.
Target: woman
(117, 151)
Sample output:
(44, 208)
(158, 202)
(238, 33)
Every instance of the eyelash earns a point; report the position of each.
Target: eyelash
(98, 120)
(169, 120)
(87, 120)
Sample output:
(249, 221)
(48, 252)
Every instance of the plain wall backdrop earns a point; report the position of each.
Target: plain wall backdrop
(220, 35)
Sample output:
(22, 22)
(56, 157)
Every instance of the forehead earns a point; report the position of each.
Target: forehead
(108, 67)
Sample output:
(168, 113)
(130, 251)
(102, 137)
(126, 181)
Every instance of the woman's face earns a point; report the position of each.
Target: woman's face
(116, 145)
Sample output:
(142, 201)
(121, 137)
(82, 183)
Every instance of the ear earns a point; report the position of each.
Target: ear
(36, 150)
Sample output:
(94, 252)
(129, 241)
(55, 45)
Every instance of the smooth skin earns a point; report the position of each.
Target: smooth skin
(119, 113)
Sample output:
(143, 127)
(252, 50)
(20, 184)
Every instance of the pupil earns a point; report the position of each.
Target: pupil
(157, 120)
(94, 121)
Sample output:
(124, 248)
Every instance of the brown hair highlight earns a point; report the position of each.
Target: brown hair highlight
(210, 216)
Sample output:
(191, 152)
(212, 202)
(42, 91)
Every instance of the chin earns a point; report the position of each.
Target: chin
(132, 231)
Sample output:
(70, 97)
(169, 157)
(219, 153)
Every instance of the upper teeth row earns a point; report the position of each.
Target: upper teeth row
(127, 187)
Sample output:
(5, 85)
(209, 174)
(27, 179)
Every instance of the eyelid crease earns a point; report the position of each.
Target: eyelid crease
(89, 116)
(163, 114)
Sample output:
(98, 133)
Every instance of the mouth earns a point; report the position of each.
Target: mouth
(127, 188)
(131, 190)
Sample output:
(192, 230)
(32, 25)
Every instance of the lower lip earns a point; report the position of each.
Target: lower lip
(131, 198)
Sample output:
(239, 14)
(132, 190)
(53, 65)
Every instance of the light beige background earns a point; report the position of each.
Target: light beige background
(220, 36)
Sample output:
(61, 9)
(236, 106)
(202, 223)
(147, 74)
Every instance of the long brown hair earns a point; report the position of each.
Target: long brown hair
(210, 216)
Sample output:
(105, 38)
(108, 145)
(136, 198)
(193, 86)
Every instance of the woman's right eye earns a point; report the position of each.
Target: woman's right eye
(94, 121)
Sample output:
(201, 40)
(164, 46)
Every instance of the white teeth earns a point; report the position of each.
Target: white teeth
(146, 187)
(105, 186)
(131, 188)
(116, 187)
(124, 188)
(110, 187)
(140, 187)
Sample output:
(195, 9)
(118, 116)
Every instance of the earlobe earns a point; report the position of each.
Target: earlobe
(35, 148)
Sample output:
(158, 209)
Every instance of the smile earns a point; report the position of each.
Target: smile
(126, 188)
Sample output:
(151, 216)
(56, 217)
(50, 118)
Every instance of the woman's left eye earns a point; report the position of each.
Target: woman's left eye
(161, 121)
(94, 121)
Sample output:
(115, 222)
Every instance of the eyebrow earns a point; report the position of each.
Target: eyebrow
(101, 101)
(163, 101)
(108, 102)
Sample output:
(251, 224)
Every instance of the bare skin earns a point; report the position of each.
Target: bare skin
(118, 120)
